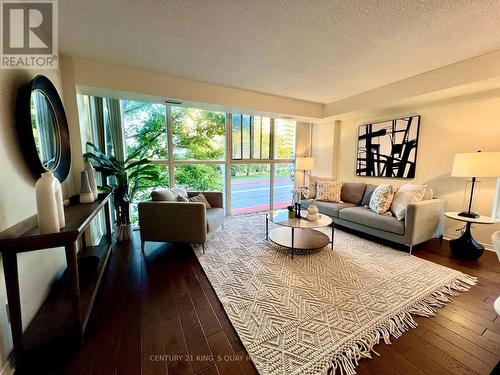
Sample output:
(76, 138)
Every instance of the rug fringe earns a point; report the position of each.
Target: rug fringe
(403, 321)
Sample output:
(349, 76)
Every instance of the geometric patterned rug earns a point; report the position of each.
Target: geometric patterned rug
(320, 312)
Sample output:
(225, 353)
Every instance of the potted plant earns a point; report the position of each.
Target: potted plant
(123, 182)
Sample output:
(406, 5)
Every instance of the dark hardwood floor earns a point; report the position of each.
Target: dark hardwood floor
(158, 314)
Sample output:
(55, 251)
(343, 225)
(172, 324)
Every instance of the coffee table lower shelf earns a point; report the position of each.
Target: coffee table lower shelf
(299, 238)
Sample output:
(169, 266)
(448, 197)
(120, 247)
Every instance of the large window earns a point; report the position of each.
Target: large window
(248, 158)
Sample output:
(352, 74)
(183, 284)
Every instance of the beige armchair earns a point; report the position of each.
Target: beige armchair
(172, 221)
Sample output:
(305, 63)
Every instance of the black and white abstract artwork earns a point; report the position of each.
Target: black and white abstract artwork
(388, 148)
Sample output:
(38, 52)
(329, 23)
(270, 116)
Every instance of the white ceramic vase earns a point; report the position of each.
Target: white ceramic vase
(92, 182)
(49, 204)
(86, 195)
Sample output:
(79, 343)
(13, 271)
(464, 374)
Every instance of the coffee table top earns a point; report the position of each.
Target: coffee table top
(280, 217)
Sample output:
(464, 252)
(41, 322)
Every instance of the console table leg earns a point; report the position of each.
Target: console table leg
(12, 285)
(74, 286)
(107, 214)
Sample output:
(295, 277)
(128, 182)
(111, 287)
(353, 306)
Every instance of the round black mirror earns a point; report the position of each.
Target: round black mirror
(43, 129)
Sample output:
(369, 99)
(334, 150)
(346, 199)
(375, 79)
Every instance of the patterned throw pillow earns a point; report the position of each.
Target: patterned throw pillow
(381, 199)
(405, 195)
(200, 198)
(313, 187)
(329, 191)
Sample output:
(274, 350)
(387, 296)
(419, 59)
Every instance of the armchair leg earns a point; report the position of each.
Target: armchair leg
(440, 240)
(143, 244)
(411, 248)
(203, 247)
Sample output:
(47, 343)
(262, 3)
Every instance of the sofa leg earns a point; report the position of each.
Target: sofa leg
(143, 245)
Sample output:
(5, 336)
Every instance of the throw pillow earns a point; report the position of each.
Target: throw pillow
(181, 198)
(429, 193)
(381, 199)
(179, 190)
(313, 180)
(163, 195)
(200, 198)
(405, 195)
(329, 191)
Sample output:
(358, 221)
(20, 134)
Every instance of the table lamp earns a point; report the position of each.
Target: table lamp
(304, 164)
(475, 164)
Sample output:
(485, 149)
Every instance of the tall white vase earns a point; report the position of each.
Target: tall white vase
(49, 204)
(59, 203)
(92, 182)
(86, 195)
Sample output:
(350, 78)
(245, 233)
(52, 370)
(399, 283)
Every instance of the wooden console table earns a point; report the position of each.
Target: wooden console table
(67, 308)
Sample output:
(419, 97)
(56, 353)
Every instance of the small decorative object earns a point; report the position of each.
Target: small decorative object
(312, 213)
(297, 210)
(291, 212)
(91, 174)
(86, 195)
(388, 148)
(49, 204)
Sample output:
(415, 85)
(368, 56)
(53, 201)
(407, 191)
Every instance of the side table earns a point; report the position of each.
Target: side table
(466, 247)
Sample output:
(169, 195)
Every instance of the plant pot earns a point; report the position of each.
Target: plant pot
(124, 232)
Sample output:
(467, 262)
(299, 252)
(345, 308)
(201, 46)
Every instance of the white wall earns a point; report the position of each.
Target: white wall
(37, 270)
(322, 149)
(464, 126)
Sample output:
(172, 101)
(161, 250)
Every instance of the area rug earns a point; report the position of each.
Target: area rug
(320, 312)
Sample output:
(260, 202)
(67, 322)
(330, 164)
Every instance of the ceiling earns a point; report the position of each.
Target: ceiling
(318, 50)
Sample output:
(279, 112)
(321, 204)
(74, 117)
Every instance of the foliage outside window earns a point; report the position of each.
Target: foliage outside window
(198, 134)
(284, 139)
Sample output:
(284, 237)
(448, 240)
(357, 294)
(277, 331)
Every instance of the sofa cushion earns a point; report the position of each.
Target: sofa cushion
(365, 216)
(370, 188)
(352, 192)
(332, 209)
(215, 218)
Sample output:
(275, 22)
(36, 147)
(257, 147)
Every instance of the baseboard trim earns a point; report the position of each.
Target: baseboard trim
(487, 246)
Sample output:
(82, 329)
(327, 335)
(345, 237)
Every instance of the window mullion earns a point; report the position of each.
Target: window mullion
(170, 143)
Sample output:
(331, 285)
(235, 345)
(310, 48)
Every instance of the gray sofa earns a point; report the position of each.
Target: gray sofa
(423, 220)
(173, 221)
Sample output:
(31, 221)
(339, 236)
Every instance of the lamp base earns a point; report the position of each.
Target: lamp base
(472, 215)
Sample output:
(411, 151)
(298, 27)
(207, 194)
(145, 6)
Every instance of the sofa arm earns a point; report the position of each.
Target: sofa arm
(173, 221)
(215, 198)
(424, 220)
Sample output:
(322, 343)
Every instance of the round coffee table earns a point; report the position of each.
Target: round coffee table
(298, 234)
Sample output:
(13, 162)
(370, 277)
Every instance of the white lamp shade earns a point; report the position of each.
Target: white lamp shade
(476, 164)
(304, 164)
